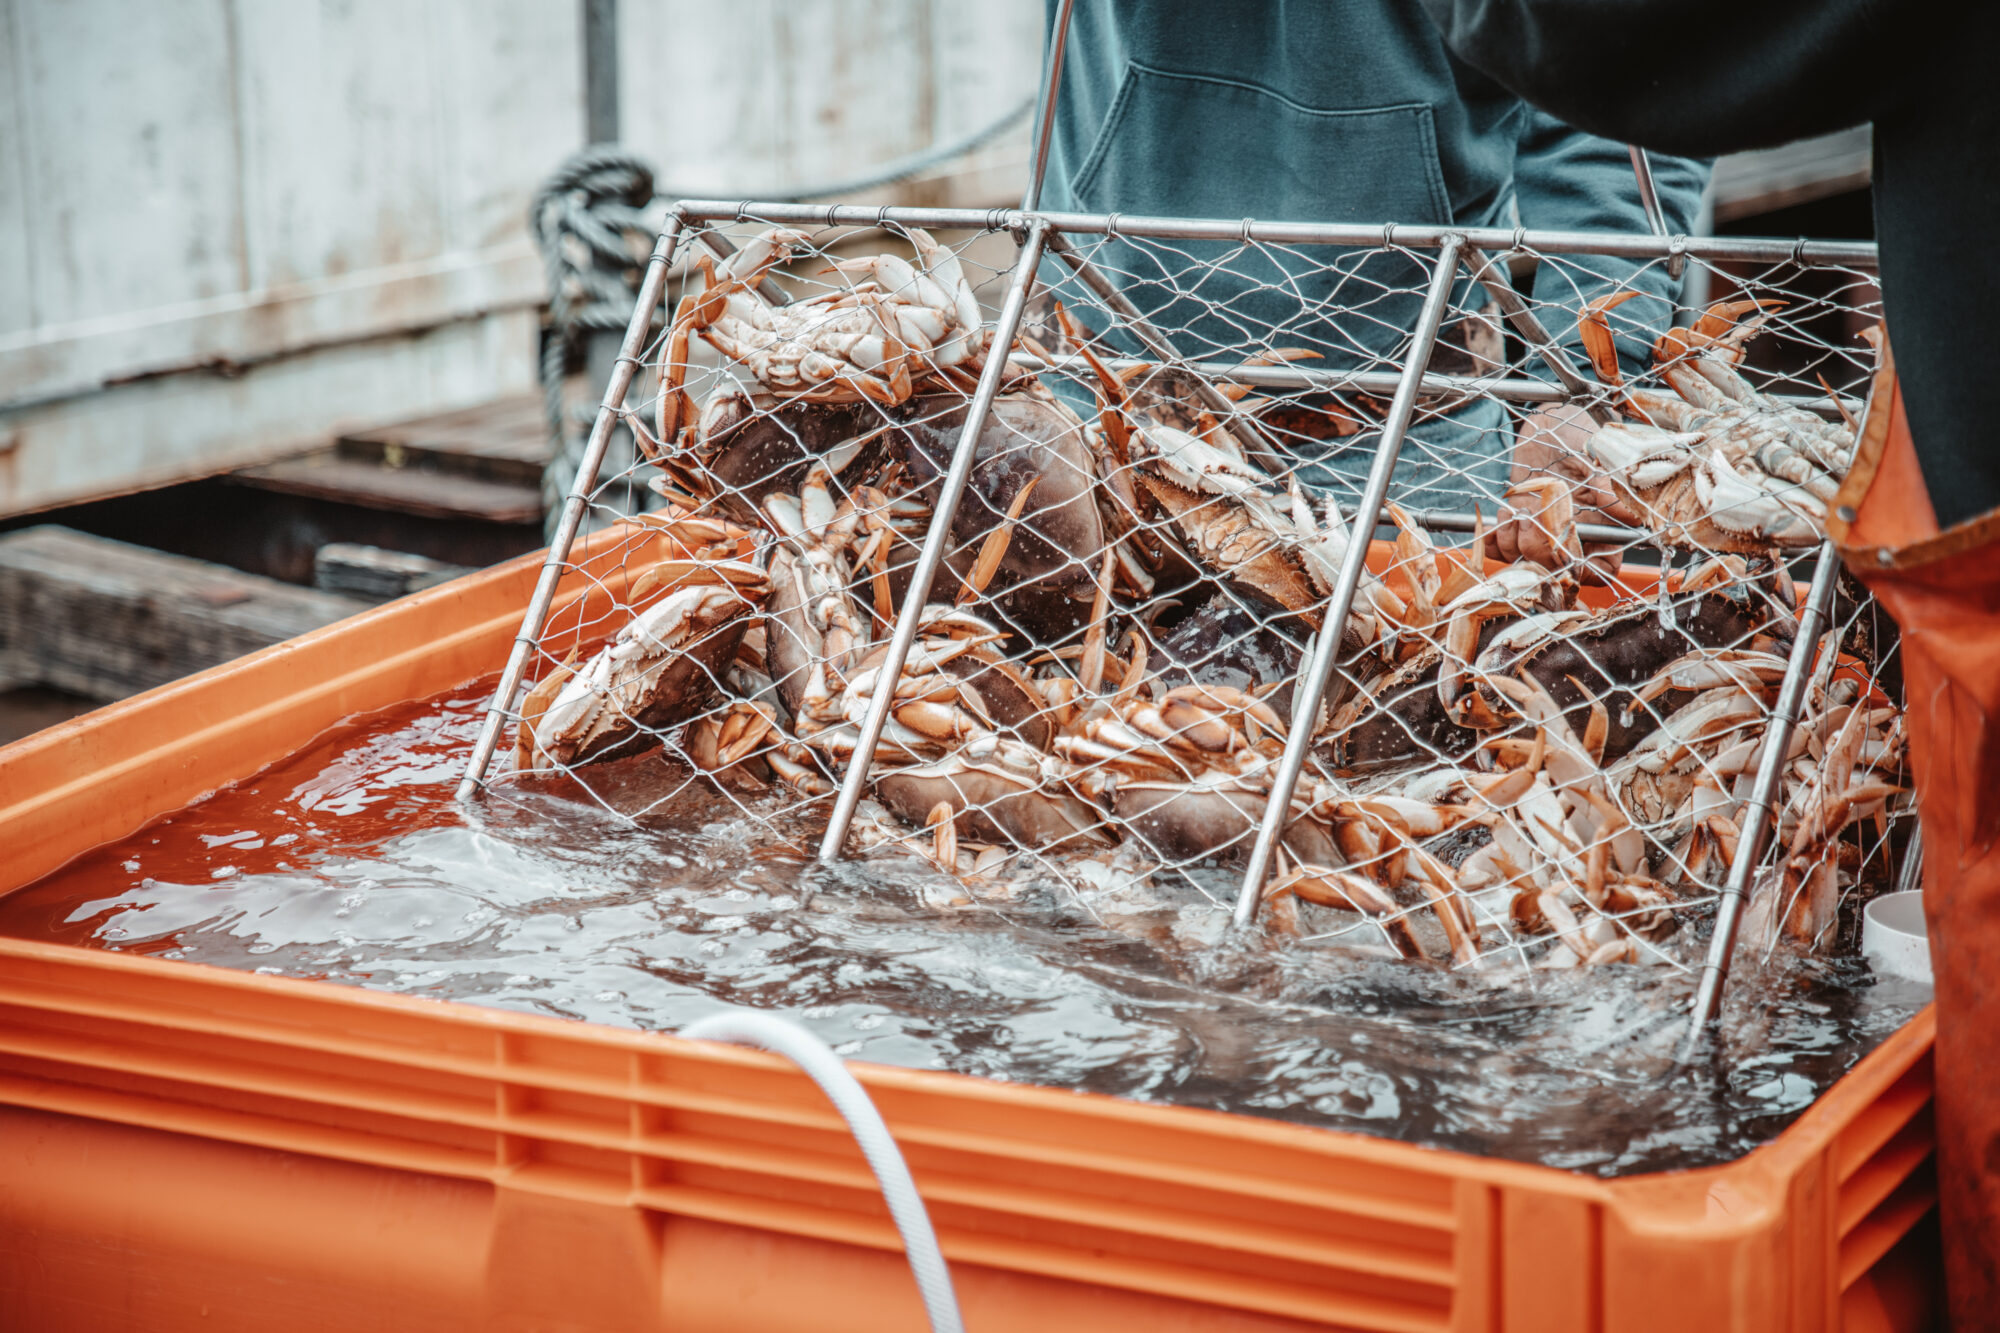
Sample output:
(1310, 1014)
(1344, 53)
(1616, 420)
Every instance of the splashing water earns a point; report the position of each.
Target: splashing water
(350, 862)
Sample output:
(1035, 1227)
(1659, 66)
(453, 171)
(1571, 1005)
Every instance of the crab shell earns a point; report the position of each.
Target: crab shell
(992, 687)
(1223, 643)
(1229, 542)
(1399, 718)
(1689, 486)
(1181, 821)
(661, 669)
(760, 446)
(1045, 583)
(793, 641)
(993, 802)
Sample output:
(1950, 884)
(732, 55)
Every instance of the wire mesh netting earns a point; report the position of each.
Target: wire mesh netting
(1549, 698)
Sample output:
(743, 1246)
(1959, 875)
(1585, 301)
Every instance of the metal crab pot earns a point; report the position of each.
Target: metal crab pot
(1411, 417)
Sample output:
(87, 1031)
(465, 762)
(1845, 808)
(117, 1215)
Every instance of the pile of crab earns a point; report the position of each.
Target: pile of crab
(1510, 761)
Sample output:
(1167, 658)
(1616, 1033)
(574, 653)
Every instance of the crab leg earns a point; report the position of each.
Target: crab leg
(1091, 671)
(994, 549)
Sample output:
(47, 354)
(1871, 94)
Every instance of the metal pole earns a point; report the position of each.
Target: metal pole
(1374, 383)
(1535, 334)
(650, 290)
(1628, 245)
(1382, 383)
(1910, 877)
(1157, 342)
(1649, 195)
(1758, 818)
(1045, 113)
(1656, 217)
(1448, 520)
(600, 71)
(1305, 707)
(932, 555)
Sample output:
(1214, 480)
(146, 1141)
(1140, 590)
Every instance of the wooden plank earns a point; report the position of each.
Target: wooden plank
(509, 108)
(131, 144)
(506, 439)
(1746, 184)
(375, 574)
(106, 619)
(817, 92)
(230, 332)
(424, 492)
(386, 181)
(27, 709)
(988, 58)
(173, 428)
(340, 160)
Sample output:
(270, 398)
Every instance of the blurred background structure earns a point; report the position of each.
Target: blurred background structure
(272, 310)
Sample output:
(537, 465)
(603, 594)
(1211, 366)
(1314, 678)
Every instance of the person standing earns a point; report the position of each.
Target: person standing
(1338, 111)
(1918, 518)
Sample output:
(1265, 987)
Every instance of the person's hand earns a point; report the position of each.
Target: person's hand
(1535, 520)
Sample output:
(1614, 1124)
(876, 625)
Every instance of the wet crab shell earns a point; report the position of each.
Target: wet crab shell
(1223, 642)
(1232, 549)
(791, 641)
(763, 446)
(1399, 719)
(1046, 581)
(995, 688)
(1191, 821)
(993, 803)
(662, 668)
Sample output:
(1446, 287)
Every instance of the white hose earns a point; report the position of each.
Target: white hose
(747, 1027)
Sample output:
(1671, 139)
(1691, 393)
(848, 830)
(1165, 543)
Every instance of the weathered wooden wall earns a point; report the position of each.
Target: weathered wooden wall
(228, 228)
(231, 228)
(742, 98)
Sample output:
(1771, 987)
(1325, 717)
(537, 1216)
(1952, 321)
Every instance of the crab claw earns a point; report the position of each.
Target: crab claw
(1595, 329)
(1110, 388)
(942, 821)
(534, 705)
(1719, 318)
(1716, 331)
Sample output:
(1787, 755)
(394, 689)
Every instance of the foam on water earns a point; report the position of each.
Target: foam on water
(351, 863)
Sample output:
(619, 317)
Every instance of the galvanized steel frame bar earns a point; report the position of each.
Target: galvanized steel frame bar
(1326, 648)
(953, 488)
(1760, 814)
(1493, 240)
(651, 288)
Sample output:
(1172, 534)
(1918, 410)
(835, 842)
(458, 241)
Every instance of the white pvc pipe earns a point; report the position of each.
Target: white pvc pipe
(746, 1027)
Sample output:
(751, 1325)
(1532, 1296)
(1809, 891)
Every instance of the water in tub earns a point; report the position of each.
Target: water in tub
(350, 862)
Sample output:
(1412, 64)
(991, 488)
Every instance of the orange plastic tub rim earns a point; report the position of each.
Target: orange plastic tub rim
(189, 1147)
